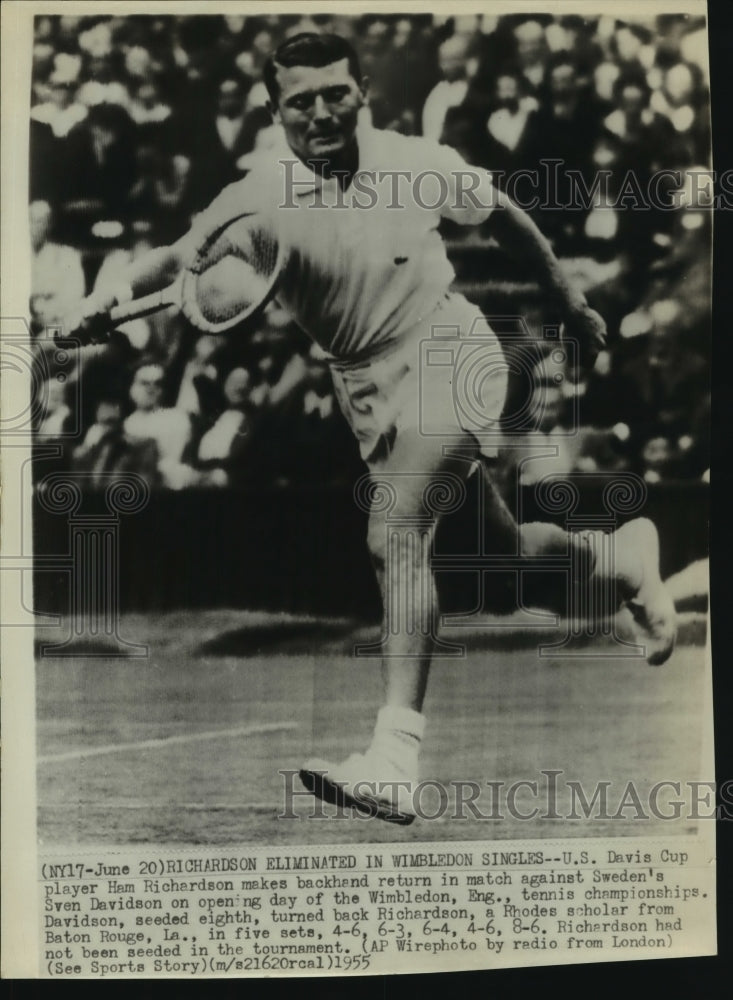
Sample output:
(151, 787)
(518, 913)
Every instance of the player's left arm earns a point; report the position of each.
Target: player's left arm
(518, 235)
(474, 199)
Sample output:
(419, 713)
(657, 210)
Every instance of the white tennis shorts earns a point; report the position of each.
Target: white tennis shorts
(445, 377)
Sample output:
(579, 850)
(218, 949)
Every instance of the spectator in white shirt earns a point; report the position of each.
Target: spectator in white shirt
(57, 276)
(168, 427)
(452, 89)
(147, 107)
(62, 111)
(200, 366)
(532, 53)
(508, 124)
(223, 447)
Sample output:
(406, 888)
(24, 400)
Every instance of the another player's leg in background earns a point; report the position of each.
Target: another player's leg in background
(388, 770)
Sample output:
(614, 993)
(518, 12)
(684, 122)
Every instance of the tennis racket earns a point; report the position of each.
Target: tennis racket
(231, 278)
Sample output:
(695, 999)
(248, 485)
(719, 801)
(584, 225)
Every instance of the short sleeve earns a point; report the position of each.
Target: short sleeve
(471, 192)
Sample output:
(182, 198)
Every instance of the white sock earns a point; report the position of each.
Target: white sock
(397, 736)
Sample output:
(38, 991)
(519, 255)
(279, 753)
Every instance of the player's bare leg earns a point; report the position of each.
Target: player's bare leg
(383, 778)
(635, 571)
(627, 570)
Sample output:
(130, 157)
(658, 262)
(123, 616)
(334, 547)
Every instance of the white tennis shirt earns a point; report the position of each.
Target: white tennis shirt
(364, 265)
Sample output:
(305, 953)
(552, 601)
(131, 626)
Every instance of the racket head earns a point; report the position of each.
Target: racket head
(233, 274)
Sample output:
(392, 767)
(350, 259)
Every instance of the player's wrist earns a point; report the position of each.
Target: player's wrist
(122, 293)
(102, 300)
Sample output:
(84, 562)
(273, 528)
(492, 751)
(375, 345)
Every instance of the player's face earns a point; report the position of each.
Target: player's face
(318, 108)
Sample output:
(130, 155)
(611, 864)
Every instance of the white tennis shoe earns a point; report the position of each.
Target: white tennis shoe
(366, 782)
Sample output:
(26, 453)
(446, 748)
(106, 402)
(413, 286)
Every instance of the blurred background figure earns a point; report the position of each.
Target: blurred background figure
(137, 122)
(223, 449)
(99, 157)
(57, 415)
(507, 127)
(563, 130)
(57, 275)
(452, 89)
(168, 427)
(107, 451)
(147, 106)
(532, 54)
(556, 442)
(225, 137)
(198, 384)
(61, 111)
(657, 459)
(554, 451)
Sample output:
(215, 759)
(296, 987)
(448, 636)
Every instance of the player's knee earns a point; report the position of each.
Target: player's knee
(540, 538)
(584, 553)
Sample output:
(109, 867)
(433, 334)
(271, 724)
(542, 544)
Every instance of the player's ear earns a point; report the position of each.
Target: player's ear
(274, 113)
(364, 90)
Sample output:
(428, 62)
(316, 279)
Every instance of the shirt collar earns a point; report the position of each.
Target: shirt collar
(306, 180)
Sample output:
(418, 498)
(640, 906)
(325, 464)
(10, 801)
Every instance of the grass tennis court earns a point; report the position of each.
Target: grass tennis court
(185, 746)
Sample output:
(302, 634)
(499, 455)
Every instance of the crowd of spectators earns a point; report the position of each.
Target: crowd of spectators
(138, 121)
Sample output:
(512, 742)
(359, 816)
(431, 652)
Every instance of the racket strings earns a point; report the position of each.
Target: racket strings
(232, 276)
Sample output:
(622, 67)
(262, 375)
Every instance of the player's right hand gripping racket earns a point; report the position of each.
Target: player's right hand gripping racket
(231, 278)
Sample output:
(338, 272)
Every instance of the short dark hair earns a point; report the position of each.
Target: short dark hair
(309, 49)
(631, 78)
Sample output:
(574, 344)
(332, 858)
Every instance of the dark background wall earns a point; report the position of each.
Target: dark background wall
(302, 549)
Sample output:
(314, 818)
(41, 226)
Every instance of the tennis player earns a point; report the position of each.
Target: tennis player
(367, 276)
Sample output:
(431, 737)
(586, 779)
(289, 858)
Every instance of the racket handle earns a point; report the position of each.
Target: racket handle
(145, 306)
